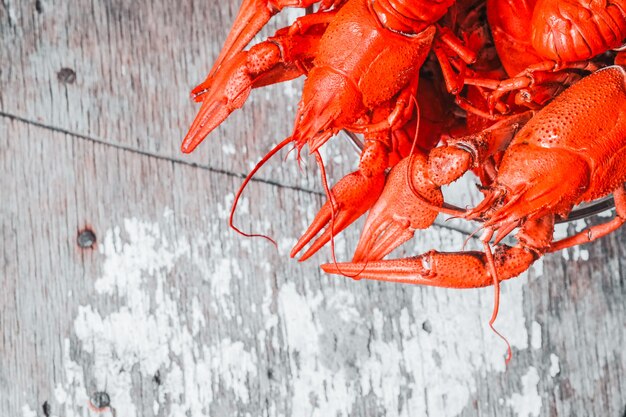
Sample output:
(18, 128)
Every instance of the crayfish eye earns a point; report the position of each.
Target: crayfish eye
(525, 96)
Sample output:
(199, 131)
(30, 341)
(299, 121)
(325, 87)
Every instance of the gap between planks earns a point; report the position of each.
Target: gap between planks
(149, 154)
(208, 168)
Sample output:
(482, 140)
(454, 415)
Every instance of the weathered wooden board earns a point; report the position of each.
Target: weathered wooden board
(171, 313)
(120, 72)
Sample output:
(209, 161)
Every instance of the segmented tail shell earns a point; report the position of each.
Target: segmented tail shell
(410, 16)
(577, 30)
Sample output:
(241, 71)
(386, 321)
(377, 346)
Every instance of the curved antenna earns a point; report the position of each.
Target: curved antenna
(258, 166)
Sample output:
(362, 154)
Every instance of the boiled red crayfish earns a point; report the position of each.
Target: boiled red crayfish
(566, 123)
(368, 87)
(544, 45)
(576, 131)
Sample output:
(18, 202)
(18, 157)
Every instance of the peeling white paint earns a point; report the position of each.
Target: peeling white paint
(310, 390)
(220, 285)
(535, 335)
(229, 149)
(71, 394)
(528, 402)
(151, 331)
(438, 367)
(28, 412)
(555, 367)
(426, 359)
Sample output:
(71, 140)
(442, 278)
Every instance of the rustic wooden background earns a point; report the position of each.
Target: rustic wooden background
(170, 313)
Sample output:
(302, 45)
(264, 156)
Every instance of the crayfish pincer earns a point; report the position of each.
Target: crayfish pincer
(362, 62)
(572, 151)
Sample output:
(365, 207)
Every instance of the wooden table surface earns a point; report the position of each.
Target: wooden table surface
(170, 313)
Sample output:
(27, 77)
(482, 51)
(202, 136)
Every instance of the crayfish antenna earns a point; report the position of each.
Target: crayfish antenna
(251, 174)
(486, 238)
(470, 236)
(333, 206)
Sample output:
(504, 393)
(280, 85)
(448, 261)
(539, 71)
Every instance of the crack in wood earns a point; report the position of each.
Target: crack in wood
(151, 155)
(183, 162)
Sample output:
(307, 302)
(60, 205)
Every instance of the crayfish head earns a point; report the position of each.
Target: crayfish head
(329, 103)
(536, 181)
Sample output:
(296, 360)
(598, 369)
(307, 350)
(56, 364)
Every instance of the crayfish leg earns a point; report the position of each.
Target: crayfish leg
(448, 163)
(469, 269)
(252, 16)
(600, 230)
(442, 269)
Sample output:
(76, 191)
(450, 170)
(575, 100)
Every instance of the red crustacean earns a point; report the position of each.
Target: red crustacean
(508, 207)
(545, 44)
(364, 64)
(367, 86)
(577, 131)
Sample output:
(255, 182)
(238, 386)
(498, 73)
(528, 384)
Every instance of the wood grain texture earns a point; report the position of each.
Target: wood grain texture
(134, 66)
(172, 313)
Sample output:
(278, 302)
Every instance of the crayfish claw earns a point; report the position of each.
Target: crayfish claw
(440, 269)
(252, 16)
(399, 211)
(448, 163)
(352, 196)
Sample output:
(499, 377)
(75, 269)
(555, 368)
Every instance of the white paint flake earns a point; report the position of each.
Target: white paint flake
(229, 149)
(555, 367)
(28, 412)
(437, 366)
(528, 402)
(151, 331)
(535, 335)
(71, 395)
(302, 329)
(428, 357)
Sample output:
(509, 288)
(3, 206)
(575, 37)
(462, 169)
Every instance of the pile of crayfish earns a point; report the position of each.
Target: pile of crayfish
(529, 95)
